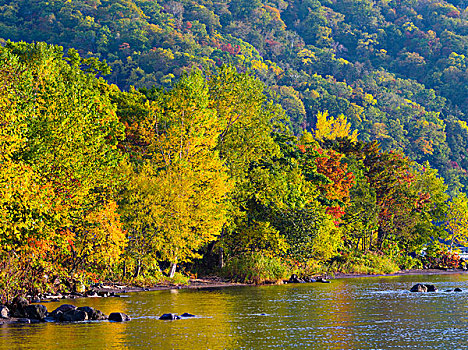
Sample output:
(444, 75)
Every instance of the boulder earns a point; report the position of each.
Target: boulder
(322, 280)
(421, 288)
(73, 316)
(457, 290)
(295, 279)
(93, 314)
(61, 310)
(36, 311)
(186, 314)
(17, 306)
(170, 317)
(118, 317)
(4, 312)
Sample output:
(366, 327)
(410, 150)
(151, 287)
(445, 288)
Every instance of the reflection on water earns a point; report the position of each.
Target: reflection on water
(358, 313)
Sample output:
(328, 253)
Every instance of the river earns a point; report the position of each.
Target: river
(352, 313)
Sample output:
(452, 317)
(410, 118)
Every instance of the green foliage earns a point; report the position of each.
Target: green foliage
(396, 72)
(358, 263)
(255, 268)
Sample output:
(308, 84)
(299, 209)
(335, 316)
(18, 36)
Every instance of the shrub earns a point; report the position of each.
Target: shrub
(255, 268)
(362, 263)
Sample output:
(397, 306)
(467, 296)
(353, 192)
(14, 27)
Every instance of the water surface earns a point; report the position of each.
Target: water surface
(355, 313)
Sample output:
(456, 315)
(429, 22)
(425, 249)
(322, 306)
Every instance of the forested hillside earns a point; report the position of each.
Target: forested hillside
(266, 138)
(396, 69)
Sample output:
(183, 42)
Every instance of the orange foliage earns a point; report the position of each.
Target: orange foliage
(341, 181)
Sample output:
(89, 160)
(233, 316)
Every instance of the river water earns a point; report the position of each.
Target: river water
(353, 313)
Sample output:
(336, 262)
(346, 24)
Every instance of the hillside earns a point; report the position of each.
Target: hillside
(396, 69)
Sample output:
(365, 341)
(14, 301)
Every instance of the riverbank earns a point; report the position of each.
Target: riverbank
(198, 283)
(402, 273)
(217, 282)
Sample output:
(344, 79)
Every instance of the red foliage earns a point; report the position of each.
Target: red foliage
(331, 166)
(336, 211)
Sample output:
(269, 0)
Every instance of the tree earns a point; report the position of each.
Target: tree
(456, 221)
(180, 185)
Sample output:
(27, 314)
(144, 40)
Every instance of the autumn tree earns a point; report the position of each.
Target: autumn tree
(176, 198)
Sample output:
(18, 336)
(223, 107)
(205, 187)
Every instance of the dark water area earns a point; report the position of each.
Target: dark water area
(354, 313)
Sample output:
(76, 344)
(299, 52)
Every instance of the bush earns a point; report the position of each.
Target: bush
(255, 268)
(364, 263)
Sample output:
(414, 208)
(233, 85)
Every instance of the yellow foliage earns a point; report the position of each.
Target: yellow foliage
(328, 127)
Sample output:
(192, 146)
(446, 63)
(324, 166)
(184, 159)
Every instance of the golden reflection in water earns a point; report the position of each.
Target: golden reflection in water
(338, 313)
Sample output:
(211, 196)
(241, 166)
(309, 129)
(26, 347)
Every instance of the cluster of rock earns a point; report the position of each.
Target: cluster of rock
(172, 317)
(424, 288)
(295, 279)
(22, 312)
(45, 298)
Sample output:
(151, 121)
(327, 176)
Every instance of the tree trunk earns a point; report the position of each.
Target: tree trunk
(380, 237)
(173, 269)
(221, 251)
(124, 269)
(221, 258)
(137, 269)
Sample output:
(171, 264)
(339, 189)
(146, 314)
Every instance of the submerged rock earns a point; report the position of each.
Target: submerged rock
(118, 317)
(170, 317)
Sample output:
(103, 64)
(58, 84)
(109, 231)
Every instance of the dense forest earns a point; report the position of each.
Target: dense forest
(246, 138)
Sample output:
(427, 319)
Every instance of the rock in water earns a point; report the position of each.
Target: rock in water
(74, 316)
(17, 306)
(56, 314)
(36, 312)
(186, 314)
(93, 314)
(4, 312)
(418, 288)
(170, 317)
(294, 279)
(118, 317)
(322, 280)
(457, 290)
